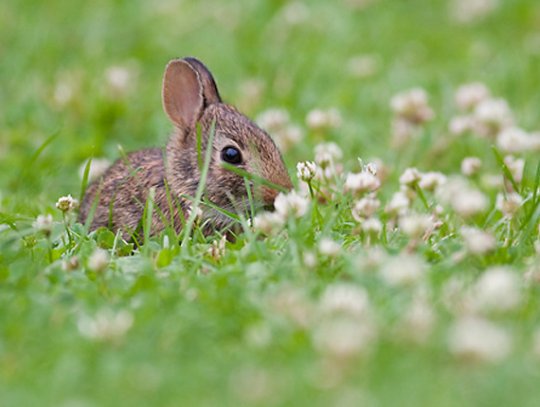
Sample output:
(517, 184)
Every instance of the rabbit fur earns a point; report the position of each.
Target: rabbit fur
(191, 100)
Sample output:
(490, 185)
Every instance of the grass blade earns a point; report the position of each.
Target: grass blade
(84, 182)
(200, 189)
(258, 180)
(506, 172)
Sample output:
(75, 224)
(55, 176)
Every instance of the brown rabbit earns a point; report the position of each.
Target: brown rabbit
(190, 99)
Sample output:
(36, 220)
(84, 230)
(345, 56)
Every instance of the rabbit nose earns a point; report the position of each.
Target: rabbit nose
(283, 181)
(268, 196)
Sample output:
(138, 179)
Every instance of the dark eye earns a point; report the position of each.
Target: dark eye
(231, 155)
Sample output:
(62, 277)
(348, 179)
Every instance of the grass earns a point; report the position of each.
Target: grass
(172, 325)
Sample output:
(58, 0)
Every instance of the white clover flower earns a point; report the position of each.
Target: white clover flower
(438, 210)
(371, 226)
(98, 166)
(430, 181)
(291, 204)
(478, 340)
(329, 174)
(493, 181)
(492, 116)
(43, 223)
(365, 208)
(409, 192)
(402, 131)
(515, 140)
(468, 96)
(292, 303)
(306, 170)
(532, 273)
(478, 241)
(418, 321)
(66, 88)
(310, 259)
(98, 260)
(328, 247)
(497, 289)
(288, 136)
(251, 385)
(106, 325)
(345, 337)
(410, 177)
(534, 141)
(273, 120)
(70, 264)
(403, 269)
(363, 66)
(412, 105)
(399, 203)
(295, 12)
(344, 328)
(416, 225)
(67, 203)
(63, 93)
(345, 299)
(515, 166)
(361, 182)
(460, 125)
(268, 222)
(318, 119)
(468, 11)
(508, 204)
(217, 248)
(453, 297)
(464, 199)
(470, 166)
(119, 79)
(469, 202)
(369, 260)
(251, 92)
(327, 154)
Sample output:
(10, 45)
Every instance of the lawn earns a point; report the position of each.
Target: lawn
(404, 270)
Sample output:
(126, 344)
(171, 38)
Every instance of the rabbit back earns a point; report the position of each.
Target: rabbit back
(120, 195)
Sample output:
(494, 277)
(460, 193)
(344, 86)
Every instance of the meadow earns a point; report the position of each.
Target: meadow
(403, 268)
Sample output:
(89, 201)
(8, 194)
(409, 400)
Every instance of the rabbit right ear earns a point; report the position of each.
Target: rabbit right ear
(188, 87)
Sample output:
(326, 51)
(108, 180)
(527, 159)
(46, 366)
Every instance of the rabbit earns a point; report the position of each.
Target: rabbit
(191, 101)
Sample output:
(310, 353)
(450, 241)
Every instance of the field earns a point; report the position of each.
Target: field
(404, 270)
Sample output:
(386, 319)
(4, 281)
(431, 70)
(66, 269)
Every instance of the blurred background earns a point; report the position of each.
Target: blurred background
(79, 79)
(82, 79)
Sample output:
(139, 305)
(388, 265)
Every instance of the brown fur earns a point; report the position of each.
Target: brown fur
(190, 97)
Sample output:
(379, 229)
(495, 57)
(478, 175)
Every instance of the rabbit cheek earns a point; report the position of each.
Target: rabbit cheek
(228, 191)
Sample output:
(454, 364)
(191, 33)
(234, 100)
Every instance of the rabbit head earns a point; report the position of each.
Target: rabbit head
(193, 104)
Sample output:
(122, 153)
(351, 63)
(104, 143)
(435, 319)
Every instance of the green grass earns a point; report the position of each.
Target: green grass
(242, 329)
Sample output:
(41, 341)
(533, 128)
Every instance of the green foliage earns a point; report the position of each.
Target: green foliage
(89, 319)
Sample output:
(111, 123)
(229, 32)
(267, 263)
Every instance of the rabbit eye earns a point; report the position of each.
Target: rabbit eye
(231, 155)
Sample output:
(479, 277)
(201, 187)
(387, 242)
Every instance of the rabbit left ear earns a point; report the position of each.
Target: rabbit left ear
(188, 88)
(183, 99)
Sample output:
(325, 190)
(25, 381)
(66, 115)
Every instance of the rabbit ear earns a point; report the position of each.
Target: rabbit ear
(182, 94)
(210, 91)
(188, 87)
